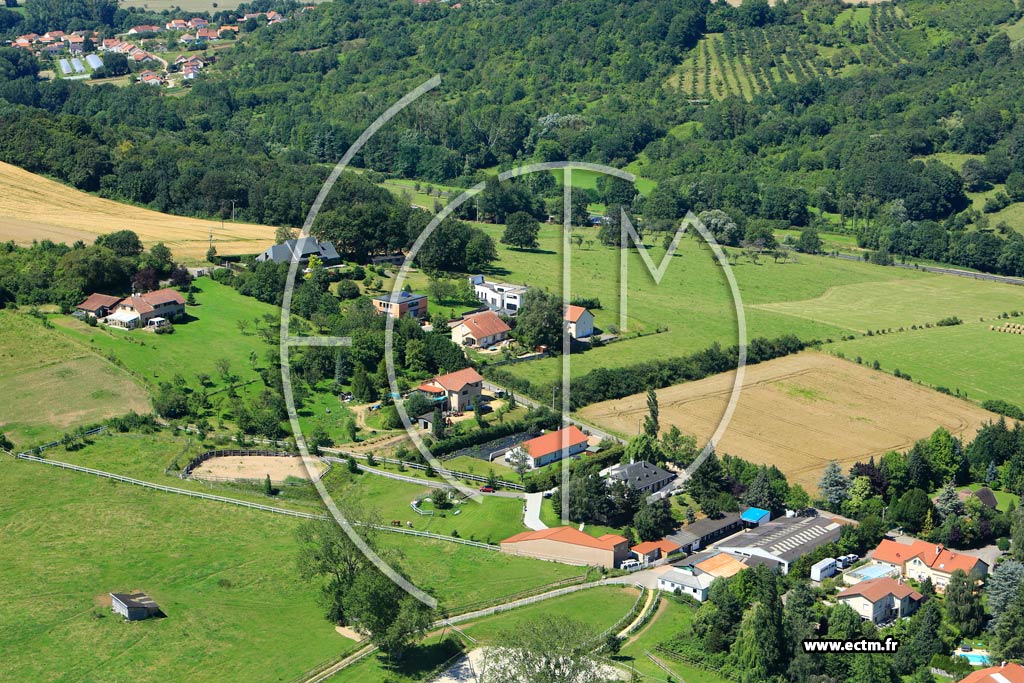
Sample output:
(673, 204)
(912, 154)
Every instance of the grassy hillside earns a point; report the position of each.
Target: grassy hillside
(36, 208)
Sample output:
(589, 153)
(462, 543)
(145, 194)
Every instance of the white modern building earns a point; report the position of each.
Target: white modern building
(498, 296)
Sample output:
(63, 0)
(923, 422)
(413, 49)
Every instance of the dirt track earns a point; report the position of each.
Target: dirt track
(801, 411)
(252, 467)
(35, 208)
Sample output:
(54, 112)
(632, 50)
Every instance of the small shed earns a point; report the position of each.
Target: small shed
(755, 516)
(134, 606)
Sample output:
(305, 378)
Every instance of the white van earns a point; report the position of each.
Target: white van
(629, 564)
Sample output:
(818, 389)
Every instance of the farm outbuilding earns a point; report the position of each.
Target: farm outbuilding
(134, 606)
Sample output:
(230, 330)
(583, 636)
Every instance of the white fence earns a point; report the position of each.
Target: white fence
(417, 466)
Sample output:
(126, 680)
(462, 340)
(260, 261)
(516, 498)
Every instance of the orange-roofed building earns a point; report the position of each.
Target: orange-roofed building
(456, 390)
(569, 545)
(480, 329)
(721, 566)
(141, 309)
(551, 447)
(652, 551)
(881, 600)
(580, 322)
(1008, 672)
(921, 560)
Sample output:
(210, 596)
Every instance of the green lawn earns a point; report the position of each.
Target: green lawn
(211, 333)
(51, 385)
(416, 663)
(1003, 498)
(969, 357)
(596, 608)
(225, 576)
(671, 618)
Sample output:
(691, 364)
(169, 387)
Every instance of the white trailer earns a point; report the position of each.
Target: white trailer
(823, 569)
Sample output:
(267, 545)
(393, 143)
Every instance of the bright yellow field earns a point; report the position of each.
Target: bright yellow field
(35, 208)
(800, 412)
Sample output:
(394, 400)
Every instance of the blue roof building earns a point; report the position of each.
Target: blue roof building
(755, 516)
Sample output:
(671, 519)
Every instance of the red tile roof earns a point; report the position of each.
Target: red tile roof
(664, 545)
(454, 381)
(570, 535)
(877, 589)
(1007, 673)
(164, 296)
(549, 443)
(573, 313)
(486, 324)
(97, 301)
(935, 556)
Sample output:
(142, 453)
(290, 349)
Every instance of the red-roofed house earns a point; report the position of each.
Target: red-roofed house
(881, 600)
(460, 389)
(197, 22)
(176, 25)
(580, 320)
(568, 545)
(147, 309)
(921, 560)
(551, 447)
(652, 551)
(480, 329)
(145, 28)
(98, 305)
(1008, 672)
(208, 34)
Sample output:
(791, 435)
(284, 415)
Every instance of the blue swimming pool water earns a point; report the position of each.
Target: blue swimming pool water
(974, 658)
(870, 571)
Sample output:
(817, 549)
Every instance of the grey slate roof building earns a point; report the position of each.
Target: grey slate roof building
(783, 540)
(703, 532)
(642, 476)
(306, 246)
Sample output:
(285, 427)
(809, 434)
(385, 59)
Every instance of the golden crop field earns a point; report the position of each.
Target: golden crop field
(800, 412)
(35, 208)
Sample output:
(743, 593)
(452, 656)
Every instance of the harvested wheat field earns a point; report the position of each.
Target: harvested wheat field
(35, 208)
(801, 411)
(255, 467)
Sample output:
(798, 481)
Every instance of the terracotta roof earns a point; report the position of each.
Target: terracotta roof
(430, 388)
(545, 444)
(486, 324)
(935, 556)
(163, 296)
(97, 301)
(877, 589)
(454, 381)
(721, 565)
(573, 313)
(664, 545)
(1007, 673)
(570, 535)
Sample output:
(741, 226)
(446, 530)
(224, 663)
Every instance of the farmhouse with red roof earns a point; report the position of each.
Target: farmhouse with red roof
(550, 447)
(480, 330)
(580, 321)
(456, 390)
(568, 545)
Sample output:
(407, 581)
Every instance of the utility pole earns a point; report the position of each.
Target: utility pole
(232, 210)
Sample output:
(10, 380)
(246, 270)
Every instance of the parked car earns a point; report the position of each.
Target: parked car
(629, 564)
(486, 489)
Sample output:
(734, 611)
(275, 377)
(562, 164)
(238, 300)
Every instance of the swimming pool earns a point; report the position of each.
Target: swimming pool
(868, 571)
(975, 658)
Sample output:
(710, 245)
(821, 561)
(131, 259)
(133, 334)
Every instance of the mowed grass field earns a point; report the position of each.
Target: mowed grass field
(36, 208)
(813, 298)
(210, 333)
(51, 384)
(225, 576)
(802, 411)
(970, 357)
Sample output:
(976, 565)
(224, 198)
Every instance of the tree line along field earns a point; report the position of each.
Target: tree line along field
(800, 412)
(36, 208)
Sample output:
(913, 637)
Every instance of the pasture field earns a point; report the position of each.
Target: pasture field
(210, 333)
(51, 385)
(225, 576)
(801, 411)
(37, 208)
(979, 362)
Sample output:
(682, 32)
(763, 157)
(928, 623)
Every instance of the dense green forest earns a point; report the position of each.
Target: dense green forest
(852, 123)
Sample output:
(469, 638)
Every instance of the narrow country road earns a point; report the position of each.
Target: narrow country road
(589, 428)
(531, 515)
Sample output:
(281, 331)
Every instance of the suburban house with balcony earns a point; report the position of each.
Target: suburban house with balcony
(481, 330)
(881, 600)
(921, 560)
(401, 305)
(498, 296)
(551, 447)
(580, 322)
(569, 545)
(455, 391)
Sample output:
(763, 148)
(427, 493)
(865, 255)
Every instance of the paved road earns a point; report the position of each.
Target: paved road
(531, 514)
(589, 428)
(944, 271)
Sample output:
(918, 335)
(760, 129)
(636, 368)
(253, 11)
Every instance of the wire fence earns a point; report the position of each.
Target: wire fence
(511, 485)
